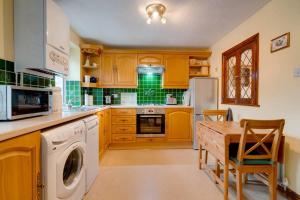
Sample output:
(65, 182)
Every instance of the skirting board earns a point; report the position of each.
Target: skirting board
(290, 194)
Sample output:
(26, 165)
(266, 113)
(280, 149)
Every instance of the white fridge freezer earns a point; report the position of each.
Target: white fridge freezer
(204, 95)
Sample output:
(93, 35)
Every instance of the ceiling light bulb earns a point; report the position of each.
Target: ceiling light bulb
(155, 14)
(149, 21)
(163, 20)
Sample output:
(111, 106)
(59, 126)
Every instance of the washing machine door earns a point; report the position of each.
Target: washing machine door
(70, 170)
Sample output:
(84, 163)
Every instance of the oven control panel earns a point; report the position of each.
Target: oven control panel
(150, 111)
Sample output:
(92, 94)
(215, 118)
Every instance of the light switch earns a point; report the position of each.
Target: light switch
(297, 72)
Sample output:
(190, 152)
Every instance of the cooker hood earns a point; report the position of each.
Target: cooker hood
(150, 69)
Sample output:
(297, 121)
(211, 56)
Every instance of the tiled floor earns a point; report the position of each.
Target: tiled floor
(154, 174)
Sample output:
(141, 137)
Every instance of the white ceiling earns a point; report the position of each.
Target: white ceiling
(191, 23)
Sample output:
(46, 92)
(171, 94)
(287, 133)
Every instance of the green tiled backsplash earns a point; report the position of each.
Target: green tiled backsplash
(73, 93)
(8, 76)
(149, 91)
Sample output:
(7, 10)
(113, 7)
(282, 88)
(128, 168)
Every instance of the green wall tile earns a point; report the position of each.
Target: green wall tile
(2, 64)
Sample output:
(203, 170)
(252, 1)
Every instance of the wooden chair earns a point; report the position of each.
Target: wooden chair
(257, 153)
(212, 115)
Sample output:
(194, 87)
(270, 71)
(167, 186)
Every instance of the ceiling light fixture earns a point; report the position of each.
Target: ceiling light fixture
(154, 11)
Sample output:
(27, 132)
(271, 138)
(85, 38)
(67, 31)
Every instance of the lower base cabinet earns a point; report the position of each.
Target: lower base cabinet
(179, 124)
(20, 177)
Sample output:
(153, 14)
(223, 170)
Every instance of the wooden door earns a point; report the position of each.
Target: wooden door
(107, 70)
(20, 167)
(102, 138)
(178, 124)
(176, 71)
(125, 74)
(107, 119)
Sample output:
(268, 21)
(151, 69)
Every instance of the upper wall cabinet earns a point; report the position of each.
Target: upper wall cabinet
(119, 70)
(41, 34)
(150, 59)
(176, 73)
(125, 67)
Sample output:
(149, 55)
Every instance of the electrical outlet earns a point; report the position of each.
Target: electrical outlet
(297, 72)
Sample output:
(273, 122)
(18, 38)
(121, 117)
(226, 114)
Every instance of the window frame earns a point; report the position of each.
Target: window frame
(250, 43)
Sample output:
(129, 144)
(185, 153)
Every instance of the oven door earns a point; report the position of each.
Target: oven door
(151, 125)
(25, 102)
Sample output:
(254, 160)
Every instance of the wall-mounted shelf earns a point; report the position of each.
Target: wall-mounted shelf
(89, 85)
(199, 67)
(90, 63)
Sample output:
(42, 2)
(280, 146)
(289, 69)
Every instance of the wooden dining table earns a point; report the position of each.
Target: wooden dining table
(216, 138)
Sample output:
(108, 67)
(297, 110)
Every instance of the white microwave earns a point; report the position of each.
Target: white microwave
(18, 102)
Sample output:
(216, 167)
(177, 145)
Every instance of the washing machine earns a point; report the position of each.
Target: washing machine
(64, 161)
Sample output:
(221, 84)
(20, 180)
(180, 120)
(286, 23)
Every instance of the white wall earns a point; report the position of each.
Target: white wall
(279, 91)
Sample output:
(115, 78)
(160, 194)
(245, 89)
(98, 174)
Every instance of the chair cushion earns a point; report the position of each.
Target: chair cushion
(252, 161)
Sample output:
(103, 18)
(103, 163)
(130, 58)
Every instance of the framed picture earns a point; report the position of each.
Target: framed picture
(280, 42)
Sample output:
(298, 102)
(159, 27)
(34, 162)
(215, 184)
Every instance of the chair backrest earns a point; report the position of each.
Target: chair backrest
(220, 115)
(259, 146)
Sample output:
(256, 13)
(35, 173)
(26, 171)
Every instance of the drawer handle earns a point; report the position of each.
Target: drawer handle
(124, 120)
(124, 129)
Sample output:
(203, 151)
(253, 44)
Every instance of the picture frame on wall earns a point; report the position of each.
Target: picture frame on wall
(281, 42)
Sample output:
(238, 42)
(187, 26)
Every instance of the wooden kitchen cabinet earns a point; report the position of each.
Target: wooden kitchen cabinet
(107, 127)
(123, 125)
(179, 124)
(102, 138)
(119, 70)
(107, 70)
(150, 59)
(20, 177)
(126, 74)
(176, 73)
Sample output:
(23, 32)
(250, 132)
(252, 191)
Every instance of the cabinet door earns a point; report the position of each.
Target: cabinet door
(150, 59)
(58, 28)
(20, 167)
(176, 71)
(107, 70)
(178, 124)
(107, 119)
(102, 138)
(125, 74)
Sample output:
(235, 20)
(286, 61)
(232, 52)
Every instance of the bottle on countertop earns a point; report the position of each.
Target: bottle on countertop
(86, 98)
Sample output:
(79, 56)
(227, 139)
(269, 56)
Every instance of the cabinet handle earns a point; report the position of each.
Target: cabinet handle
(61, 47)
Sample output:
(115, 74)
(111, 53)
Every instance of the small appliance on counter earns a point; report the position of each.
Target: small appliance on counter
(17, 102)
(170, 100)
(107, 100)
(186, 98)
(56, 99)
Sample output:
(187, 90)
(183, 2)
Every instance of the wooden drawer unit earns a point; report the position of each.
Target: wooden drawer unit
(124, 129)
(124, 111)
(123, 138)
(123, 119)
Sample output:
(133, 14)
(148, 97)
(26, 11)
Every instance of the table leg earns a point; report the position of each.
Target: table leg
(200, 156)
(226, 180)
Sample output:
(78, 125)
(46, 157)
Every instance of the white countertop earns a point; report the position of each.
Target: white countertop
(10, 129)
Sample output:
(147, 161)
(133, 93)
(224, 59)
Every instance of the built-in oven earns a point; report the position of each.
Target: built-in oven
(18, 102)
(150, 122)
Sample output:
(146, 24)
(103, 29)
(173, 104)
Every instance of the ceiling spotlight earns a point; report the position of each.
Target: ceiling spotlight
(154, 11)
(149, 20)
